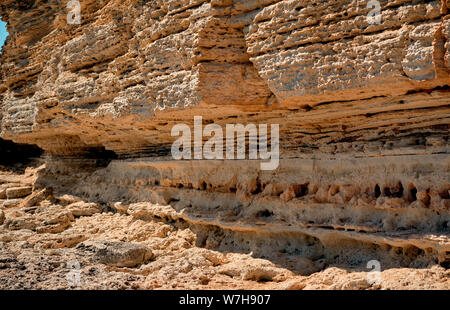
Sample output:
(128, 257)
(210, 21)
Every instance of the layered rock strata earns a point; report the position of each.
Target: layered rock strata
(361, 208)
(132, 69)
(52, 241)
(363, 111)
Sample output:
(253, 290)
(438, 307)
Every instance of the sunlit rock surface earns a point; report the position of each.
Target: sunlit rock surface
(364, 115)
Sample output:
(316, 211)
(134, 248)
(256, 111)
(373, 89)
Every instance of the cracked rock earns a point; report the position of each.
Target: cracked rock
(119, 254)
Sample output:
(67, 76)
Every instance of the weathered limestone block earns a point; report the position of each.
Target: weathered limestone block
(120, 254)
(446, 34)
(313, 53)
(23, 222)
(10, 203)
(34, 199)
(84, 209)
(18, 192)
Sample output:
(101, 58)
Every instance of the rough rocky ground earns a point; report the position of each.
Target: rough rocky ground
(47, 241)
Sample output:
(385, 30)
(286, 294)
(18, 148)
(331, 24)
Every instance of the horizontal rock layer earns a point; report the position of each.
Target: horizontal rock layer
(46, 237)
(374, 205)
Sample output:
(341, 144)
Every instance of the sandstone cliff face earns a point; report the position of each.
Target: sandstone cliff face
(132, 69)
(364, 114)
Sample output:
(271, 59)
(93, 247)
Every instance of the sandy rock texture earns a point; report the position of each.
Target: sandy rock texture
(61, 244)
(132, 69)
(364, 116)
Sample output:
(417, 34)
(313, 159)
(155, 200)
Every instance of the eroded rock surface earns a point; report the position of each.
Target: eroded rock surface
(155, 246)
(332, 80)
(364, 120)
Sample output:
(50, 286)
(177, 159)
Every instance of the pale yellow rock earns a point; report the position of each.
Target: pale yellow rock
(34, 199)
(10, 203)
(18, 192)
(83, 209)
(363, 111)
(123, 78)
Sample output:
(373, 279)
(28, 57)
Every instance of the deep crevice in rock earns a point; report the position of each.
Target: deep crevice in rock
(12, 153)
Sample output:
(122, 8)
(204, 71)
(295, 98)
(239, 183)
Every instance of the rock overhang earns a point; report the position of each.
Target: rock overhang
(131, 66)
